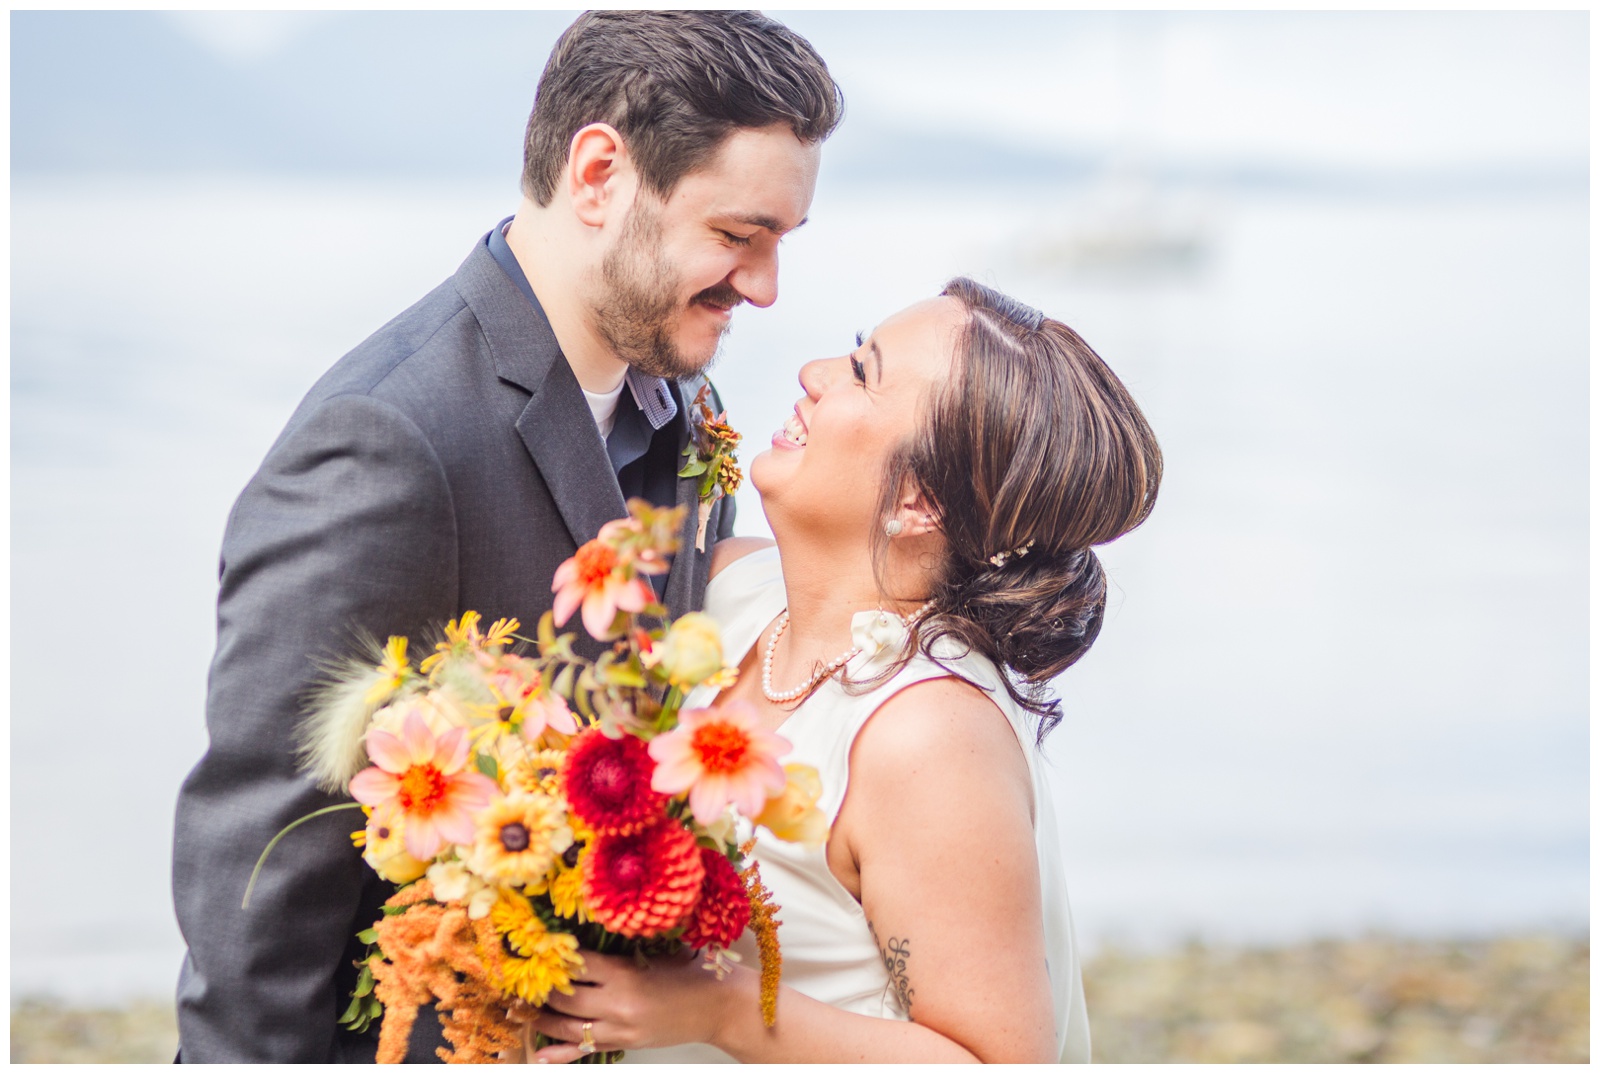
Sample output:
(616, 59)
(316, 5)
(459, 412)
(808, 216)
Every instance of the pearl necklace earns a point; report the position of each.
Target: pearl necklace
(827, 670)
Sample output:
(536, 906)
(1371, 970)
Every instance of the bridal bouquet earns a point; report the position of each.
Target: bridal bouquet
(533, 804)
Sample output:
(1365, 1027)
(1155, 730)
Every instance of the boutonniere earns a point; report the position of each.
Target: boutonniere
(712, 443)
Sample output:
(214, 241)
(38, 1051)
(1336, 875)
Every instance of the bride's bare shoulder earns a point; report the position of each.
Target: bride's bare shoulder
(730, 549)
(939, 737)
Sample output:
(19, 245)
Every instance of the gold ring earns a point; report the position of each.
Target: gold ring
(587, 1047)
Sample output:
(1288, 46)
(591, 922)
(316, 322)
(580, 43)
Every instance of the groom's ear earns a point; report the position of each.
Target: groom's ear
(600, 178)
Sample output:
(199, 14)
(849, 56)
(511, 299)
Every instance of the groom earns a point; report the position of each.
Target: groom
(456, 457)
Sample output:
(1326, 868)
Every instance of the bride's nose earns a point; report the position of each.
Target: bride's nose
(814, 376)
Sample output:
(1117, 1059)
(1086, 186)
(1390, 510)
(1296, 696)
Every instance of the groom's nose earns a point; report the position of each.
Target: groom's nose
(756, 278)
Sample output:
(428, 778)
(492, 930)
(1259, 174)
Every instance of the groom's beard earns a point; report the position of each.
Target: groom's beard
(639, 306)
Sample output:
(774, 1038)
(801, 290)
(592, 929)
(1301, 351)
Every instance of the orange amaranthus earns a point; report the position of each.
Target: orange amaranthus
(764, 922)
(434, 952)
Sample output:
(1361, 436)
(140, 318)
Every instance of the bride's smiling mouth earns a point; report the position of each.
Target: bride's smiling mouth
(793, 434)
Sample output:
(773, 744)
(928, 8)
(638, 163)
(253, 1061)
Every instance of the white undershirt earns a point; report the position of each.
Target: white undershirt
(604, 407)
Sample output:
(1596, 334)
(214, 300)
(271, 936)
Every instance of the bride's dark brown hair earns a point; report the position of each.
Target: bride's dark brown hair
(1032, 444)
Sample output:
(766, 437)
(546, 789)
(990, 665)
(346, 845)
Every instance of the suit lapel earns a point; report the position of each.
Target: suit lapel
(556, 425)
(560, 434)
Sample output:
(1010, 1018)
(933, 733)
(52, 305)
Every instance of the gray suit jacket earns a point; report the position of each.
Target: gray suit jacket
(448, 463)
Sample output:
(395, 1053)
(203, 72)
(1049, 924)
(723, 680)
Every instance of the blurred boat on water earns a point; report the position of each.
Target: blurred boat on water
(1126, 227)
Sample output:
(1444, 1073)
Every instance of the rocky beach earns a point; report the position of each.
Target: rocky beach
(1520, 999)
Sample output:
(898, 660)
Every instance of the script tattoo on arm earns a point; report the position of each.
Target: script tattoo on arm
(895, 953)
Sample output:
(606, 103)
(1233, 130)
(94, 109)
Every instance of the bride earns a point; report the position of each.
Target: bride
(935, 499)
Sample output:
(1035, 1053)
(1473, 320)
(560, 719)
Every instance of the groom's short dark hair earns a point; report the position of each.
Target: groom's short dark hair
(674, 84)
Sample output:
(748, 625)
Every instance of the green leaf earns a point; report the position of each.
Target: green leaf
(563, 683)
(694, 469)
(368, 935)
(547, 630)
(364, 1011)
(487, 766)
(364, 983)
(624, 675)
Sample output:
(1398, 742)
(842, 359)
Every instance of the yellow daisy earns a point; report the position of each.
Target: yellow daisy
(544, 961)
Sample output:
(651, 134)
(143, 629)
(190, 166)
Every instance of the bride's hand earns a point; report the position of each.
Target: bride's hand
(671, 1001)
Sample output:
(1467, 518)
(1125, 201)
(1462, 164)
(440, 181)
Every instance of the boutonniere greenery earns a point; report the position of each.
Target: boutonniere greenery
(712, 443)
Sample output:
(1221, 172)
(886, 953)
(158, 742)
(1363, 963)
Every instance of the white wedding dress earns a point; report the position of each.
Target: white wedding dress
(828, 952)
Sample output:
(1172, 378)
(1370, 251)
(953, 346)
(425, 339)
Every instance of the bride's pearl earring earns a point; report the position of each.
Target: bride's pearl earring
(892, 527)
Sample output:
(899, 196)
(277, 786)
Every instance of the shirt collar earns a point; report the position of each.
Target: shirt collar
(655, 397)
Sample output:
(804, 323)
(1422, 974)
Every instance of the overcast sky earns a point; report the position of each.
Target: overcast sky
(1343, 90)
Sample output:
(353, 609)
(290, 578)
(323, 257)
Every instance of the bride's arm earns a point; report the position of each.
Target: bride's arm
(938, 823)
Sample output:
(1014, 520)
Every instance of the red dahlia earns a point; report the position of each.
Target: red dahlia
(607, 781)
(723, 910)
(645, 883)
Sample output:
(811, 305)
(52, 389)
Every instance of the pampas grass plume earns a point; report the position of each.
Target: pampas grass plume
(332, 746)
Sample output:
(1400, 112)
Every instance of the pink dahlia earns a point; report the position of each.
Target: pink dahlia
(607, 783)
(643, 884)
(595, 579)
(723, 909)
(720, 756)
(420, 780)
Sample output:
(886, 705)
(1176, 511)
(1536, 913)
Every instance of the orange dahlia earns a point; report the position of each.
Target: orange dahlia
(645, 883)
(607, 783)
(422, 781)
(720, 756)
(723, 909)
(599, 580)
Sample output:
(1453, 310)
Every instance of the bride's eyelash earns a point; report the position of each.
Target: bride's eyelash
(856, 367)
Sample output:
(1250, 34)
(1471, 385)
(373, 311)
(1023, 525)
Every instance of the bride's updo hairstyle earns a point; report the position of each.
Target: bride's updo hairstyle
(1030, 455)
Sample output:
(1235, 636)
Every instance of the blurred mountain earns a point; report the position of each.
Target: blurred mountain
(418, 94)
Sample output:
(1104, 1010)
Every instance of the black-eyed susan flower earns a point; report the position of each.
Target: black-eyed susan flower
(563, 885)
(518, 839)
(383, 848)
(536, 773)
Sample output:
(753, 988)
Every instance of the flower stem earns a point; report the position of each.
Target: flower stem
(256, 872)
(669, 708)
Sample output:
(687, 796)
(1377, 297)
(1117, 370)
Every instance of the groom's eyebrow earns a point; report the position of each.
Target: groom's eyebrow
(772, 224)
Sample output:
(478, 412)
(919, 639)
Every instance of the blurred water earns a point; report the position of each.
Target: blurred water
(1344, 683)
